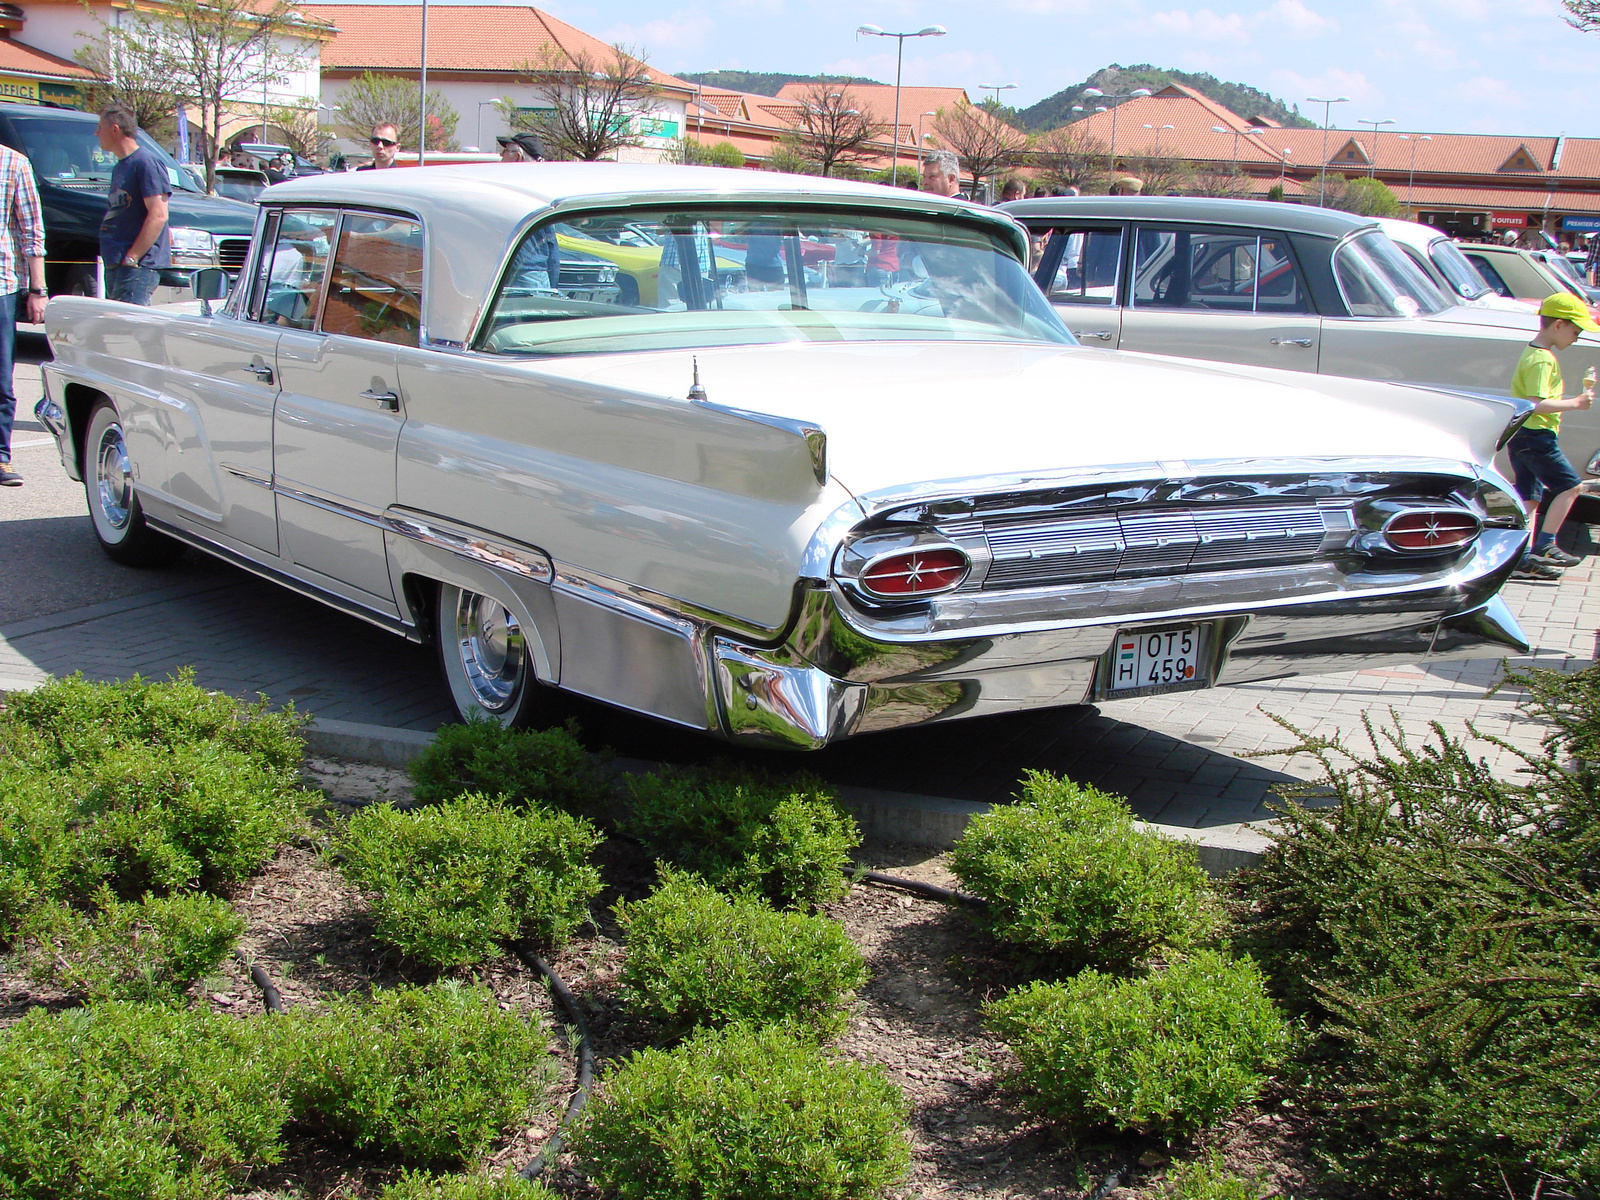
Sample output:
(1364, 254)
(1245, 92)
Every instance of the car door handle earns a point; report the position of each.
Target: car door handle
(261, 371)
(1103, 335)
(384, 400)
(1303, 343)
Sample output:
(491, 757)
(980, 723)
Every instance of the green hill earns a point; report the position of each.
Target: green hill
(762, 83)
(1056, 110)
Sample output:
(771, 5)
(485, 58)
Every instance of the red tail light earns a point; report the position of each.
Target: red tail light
(907, 573)
(1424, 531)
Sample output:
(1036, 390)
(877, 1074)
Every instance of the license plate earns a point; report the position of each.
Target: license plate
(1158, 658)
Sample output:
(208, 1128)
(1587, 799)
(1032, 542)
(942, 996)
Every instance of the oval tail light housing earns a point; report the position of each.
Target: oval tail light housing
(912, 574)
(1431, 530)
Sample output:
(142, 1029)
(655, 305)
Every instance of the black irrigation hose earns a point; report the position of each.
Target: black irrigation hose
(269, 994)
(931, 891)
(1111, 1182)
(585, 1059)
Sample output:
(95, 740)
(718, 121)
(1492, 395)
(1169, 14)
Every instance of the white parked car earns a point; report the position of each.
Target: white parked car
(826, 496)
(1441, 260)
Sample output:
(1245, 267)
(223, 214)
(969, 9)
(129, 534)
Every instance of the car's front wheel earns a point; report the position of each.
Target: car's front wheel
(114, 509)
(486, 662)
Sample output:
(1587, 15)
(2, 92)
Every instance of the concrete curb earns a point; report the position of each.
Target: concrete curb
(932, 821)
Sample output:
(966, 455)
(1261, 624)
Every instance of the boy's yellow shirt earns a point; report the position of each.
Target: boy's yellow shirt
(1538, 377)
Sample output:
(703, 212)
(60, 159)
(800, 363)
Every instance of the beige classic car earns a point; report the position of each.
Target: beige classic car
(785, 503)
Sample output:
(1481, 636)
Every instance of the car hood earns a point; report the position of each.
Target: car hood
(902, 413)
(225, 218)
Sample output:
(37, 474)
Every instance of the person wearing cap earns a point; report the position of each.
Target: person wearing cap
(1536, 458)
(536, 270)
(521, 147)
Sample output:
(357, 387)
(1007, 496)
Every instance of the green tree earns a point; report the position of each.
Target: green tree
(587, 103)
(373, 99)
(1363, 196)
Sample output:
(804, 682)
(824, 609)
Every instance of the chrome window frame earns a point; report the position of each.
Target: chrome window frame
(1308, 307)
(1344, 298)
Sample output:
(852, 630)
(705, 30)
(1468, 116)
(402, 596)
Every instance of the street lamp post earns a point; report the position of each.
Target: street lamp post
(1373, 166)
(1158, 129)
(996, 88)
(1235, 132)
(1114, 106)
(920, 135)
(1322, 183)
(1411, 182)
(482, 104)
(899, 58)
(1283, 166)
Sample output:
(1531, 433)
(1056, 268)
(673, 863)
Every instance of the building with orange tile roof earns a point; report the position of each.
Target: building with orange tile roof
(1468, 184)
(477, 55)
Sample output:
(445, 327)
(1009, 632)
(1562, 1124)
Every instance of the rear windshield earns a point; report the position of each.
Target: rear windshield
(1457, 271)
(738, 275)
(65, 151)
(1378, 280)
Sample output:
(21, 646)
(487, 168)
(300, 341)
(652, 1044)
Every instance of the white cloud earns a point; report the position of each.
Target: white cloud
(1485, 93)
(1294, 18)
(681, 33)
(1203, 25)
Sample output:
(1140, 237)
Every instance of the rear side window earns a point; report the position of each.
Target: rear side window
(375, 290)
(1083, 265)
(1489, 275)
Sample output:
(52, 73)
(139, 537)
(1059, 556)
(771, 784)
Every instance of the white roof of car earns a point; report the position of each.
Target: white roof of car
(1411, 233)
(472, 214)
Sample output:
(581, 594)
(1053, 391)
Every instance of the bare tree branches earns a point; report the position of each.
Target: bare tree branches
(1070, 157)
(984, 143)
(588, 103)
(136, 75)
(833, 129)
(211, 53)
(371, 100)
(1583, 14)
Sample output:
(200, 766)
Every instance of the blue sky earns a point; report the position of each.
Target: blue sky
(1469, 66)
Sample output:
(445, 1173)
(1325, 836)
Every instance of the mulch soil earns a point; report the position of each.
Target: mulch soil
(918, 1017)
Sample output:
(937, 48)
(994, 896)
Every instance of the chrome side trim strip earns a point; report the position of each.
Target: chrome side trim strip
(311, 591)
(812, 434)
(328, 504)
(248, 475)
(472, 544)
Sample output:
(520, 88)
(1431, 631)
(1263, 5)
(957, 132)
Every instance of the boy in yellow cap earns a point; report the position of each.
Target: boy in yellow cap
(1536, 457)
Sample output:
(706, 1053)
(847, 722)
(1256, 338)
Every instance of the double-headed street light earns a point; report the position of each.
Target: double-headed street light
(996, 88)
(1236, 133)
(1322, 183)
(1092, 91)
(1412, 181)
(1158, 129)
(921, 135)
(1371, 169)
(899, 57)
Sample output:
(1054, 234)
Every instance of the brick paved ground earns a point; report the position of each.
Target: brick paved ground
(64, 607)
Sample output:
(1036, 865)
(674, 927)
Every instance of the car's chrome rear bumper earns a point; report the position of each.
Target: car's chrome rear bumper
(828, 680)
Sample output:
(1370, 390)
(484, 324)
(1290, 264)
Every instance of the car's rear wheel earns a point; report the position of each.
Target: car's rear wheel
(487, 665)
(114, 508)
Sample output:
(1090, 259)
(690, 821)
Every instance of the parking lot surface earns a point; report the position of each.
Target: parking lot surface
(1178, 758)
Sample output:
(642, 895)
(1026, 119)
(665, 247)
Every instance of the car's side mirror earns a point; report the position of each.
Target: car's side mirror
(212, 283)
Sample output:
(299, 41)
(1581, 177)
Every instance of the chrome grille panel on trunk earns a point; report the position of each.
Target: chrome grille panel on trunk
(1144, 541)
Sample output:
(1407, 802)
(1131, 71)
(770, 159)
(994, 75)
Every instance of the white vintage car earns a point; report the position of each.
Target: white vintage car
(864, 480)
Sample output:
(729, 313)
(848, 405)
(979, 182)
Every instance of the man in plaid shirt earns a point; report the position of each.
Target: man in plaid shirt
(21, 274)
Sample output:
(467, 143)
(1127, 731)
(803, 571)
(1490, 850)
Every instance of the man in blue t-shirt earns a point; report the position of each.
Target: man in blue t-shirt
(133, 235)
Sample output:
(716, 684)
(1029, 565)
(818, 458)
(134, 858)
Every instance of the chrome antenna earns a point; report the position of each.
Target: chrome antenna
(696, 392)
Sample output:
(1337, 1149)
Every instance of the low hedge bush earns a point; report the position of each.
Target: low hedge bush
(540, 766)
(422, 1074)
(785, 839)
(37, 843)
(147, 950)
(1068, 874)
(414, 1185)
(744, 1114)
(1439, 927)
(698, 957)
(1165, 1054)
(1208, 1178)
(124, 1101)
(449, 882)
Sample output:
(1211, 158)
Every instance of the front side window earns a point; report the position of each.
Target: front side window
(291, 267)
(1215, 270)
(1378, 280)
(375, 291)
(728, 276)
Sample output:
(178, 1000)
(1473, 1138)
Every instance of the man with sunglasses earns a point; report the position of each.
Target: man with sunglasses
(385, 147)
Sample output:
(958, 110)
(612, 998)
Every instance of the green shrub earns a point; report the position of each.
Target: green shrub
(1440, 929)
(136, 1102)
(74, 720)
(448, 883)
(744, 1114)
(698, 957)
(1208, 1178)
(545, 766)
(1067, 873)
(787, 840)
(1166, 1054)
(414, 1185)
(37, 848)
(426, 1074)
(150, 949)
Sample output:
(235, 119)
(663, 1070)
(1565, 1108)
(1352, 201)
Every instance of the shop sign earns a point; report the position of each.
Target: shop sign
(658, 127)
(14, 87)
(1581, 224)
(1507, 220)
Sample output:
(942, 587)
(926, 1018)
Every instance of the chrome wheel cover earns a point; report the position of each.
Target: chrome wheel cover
(113, 480)
(490, 648)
